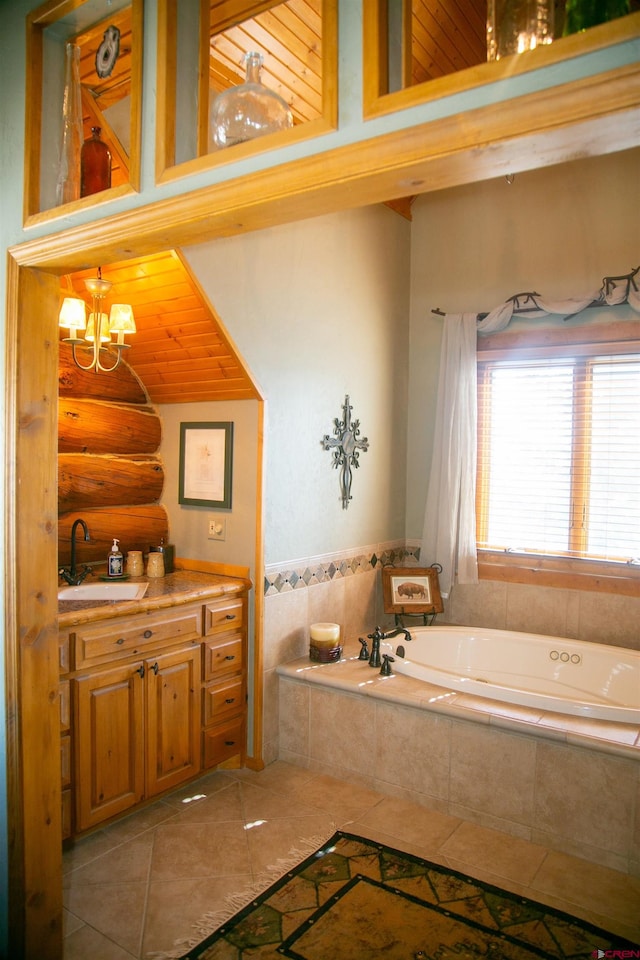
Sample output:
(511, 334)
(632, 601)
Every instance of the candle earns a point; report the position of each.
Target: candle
(324, 646)
(325, 634)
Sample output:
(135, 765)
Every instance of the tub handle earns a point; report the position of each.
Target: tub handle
(385, 669)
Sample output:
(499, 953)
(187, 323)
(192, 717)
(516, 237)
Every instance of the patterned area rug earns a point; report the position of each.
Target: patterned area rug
(354, 899)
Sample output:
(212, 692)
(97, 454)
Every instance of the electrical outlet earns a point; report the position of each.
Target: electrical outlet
(217, 528)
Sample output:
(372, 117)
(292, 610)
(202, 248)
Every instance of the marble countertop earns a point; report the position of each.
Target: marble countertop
(180, 587)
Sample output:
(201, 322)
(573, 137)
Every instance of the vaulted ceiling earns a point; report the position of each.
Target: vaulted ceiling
(181, 351)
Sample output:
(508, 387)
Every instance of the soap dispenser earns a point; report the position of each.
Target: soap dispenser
(114, 561)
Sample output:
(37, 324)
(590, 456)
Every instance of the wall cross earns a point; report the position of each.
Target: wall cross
(346, 446)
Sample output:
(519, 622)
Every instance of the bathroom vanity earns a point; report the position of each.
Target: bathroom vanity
(152, 692)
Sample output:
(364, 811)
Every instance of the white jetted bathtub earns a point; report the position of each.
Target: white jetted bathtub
(553, 673)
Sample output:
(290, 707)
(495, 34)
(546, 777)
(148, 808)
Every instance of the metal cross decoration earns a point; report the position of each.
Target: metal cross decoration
(346, 447)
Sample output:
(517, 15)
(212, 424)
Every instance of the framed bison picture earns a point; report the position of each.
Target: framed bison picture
(411, 590)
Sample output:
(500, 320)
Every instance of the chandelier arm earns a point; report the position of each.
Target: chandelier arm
(99, 366)
(82, 365)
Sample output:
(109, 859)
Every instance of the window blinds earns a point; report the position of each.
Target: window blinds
(559, 456)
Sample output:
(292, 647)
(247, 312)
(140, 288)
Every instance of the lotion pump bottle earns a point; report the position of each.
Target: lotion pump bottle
(114, 561)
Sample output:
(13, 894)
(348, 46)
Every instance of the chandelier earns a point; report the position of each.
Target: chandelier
(99, 328)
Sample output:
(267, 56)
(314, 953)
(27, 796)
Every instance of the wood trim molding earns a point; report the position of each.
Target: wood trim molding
(589, 117)
(31, 612)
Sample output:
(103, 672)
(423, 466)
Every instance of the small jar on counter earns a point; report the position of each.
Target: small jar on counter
(155, 565)
(135, 566)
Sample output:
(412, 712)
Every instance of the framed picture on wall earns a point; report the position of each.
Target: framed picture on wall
(411, 590)
(206, 458)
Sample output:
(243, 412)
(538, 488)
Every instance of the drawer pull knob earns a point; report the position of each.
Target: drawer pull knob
(229, 743)
(155, 668)
(120, 641)
(231, 616)
(140, 670)
(230, 656)
(147, 634)
(230, 700)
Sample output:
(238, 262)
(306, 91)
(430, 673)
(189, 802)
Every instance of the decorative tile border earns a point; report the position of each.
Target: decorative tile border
(305, 573)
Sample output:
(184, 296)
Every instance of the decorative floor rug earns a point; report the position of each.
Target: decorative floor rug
(354, 899)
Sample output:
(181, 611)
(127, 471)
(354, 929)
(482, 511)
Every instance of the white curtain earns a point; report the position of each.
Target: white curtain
(449, 535)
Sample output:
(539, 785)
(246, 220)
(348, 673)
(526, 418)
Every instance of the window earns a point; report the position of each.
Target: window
(559, 452)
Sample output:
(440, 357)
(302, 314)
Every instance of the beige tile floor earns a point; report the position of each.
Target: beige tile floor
(136, 888)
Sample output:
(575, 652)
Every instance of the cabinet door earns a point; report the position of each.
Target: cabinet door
(173, 718)
(109, 740)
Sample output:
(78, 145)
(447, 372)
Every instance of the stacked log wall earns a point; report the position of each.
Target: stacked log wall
(109, 471)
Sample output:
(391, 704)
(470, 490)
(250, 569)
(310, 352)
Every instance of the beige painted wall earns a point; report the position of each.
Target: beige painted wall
(558, 232)
(188, 527)
(319, 310)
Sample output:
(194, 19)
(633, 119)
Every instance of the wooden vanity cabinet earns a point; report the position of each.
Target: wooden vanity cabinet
(224, 690)
(147, 701)
(136, 709)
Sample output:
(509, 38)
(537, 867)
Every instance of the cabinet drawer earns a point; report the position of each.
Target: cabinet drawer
(222, 657)
(221, 743)
(223, 615)
(222, 700)
(132, 636)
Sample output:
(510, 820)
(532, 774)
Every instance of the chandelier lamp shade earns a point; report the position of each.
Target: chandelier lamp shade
(94, 336)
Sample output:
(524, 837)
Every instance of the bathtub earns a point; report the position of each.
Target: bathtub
(552, 673)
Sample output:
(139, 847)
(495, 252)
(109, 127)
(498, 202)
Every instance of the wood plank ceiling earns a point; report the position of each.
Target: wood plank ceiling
(180, 352)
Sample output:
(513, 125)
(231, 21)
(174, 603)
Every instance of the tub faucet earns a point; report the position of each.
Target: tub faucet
(376, 637)
(71, 575)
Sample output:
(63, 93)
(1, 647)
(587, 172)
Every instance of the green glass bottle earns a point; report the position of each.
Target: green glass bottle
(582, 14)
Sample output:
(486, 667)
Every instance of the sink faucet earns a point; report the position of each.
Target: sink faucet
(71, 575)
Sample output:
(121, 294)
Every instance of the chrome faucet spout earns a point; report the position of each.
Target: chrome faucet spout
(71, 575)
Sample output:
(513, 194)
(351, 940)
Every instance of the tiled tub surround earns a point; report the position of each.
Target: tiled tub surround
(568, 783)
(346, 588)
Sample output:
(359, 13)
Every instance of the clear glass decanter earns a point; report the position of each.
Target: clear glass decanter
(249, 110)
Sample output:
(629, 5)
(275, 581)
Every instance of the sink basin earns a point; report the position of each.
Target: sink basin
(104, 591)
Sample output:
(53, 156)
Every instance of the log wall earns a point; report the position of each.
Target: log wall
(109, 473)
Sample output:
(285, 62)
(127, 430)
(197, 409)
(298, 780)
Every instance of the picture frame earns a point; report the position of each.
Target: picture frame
(206, 464)
(407, 590)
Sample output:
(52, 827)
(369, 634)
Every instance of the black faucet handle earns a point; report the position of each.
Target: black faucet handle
(364, 649)
(385, 669)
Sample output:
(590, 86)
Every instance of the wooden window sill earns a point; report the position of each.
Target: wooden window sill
(589, 575)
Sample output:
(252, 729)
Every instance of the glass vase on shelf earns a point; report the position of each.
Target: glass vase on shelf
(68, 181)
(514, 26)
(249, 110)
(95, 165)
